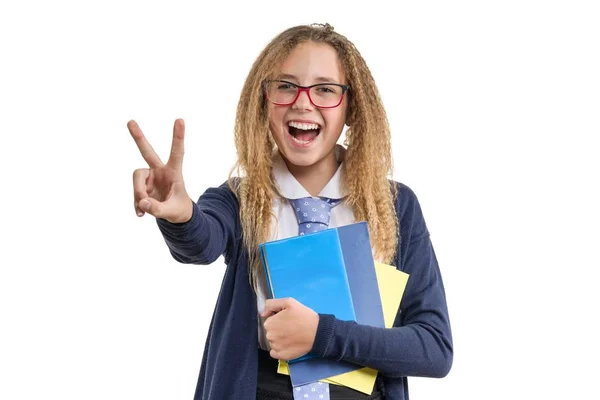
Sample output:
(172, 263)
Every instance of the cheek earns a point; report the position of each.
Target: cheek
(335, 118)
(276, 120)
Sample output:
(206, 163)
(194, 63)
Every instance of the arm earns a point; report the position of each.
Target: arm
(209, 233)
(159, 190)
(420, 343)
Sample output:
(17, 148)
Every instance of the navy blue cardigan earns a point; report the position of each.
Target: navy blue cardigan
(420, 344)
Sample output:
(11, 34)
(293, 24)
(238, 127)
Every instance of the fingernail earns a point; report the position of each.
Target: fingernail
(140, 214)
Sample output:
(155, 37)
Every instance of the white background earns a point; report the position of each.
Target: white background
(494, 109)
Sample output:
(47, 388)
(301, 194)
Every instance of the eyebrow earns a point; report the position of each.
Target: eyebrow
(294, 78)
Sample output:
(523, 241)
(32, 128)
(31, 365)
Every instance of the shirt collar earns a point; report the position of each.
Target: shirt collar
(290, 188)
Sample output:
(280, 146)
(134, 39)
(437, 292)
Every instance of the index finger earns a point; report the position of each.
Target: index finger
(276, 305)
(147, 151)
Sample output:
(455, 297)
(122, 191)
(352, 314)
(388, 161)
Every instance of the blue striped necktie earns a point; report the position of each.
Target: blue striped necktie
(313, 215)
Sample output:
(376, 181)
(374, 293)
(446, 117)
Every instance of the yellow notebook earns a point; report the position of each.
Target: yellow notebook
(392, 283)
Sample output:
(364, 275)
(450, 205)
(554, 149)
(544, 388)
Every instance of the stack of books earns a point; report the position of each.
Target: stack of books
(333, 272)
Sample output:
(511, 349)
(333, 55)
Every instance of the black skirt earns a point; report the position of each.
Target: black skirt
(274, 386)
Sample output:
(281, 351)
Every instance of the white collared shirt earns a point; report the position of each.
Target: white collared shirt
(285, 223)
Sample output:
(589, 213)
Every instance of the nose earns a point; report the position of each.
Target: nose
(303, 101)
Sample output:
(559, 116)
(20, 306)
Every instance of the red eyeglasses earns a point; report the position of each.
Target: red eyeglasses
(321, 95)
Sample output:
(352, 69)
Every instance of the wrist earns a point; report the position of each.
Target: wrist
(323, 335)
(185, 221)
(184, 217)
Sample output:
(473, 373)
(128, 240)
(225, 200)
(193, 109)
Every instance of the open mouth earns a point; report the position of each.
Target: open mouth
(303, 133)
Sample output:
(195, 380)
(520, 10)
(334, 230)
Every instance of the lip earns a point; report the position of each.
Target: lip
(290, 138)
(303, 121)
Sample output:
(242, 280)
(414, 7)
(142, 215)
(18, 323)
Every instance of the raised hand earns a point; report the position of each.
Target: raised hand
(159, 190)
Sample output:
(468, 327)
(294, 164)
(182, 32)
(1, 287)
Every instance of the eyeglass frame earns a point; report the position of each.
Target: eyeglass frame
(306, 89)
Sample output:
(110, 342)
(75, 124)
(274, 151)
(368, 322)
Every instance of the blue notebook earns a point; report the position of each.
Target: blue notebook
(362, 279)
(311, 269)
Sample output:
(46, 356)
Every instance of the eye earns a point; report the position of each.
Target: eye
(328, 89)
(325, 89)
(285, 86)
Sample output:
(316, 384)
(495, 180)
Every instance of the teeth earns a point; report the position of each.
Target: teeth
(303, 126)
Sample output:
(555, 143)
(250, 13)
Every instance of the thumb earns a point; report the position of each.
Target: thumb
(177, 208)
(152, 207)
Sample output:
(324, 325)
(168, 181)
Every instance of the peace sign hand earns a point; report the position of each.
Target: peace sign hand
(159, 190)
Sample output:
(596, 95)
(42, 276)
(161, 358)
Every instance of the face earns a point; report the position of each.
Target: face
(305, 134)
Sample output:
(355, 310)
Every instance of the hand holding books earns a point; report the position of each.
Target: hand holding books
(290, 328)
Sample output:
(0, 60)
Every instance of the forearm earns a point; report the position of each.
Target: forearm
(208, 234)
(420, 344)
(412, 350)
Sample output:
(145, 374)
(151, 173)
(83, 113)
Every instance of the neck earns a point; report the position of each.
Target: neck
(314, 177)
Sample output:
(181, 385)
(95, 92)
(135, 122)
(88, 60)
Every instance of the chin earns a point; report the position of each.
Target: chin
(300, 160)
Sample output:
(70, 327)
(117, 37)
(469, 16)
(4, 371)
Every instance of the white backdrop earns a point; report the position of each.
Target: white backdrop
(494, 109)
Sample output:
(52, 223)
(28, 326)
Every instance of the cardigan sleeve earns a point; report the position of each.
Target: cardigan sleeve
(210, 232)
(420, 343)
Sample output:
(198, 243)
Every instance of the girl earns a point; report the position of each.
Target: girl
(303, 88)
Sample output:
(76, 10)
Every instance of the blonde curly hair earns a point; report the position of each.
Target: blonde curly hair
(367, 163)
